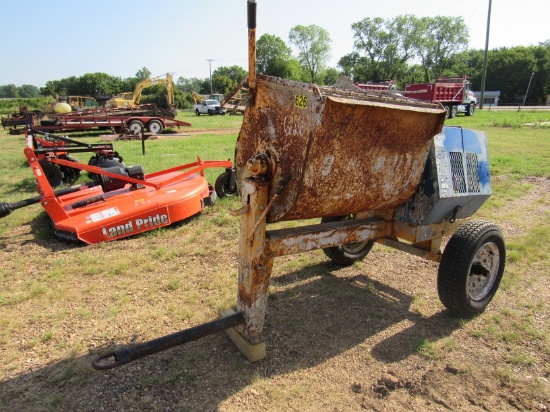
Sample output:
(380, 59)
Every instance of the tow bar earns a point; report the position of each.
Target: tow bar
(141, 350)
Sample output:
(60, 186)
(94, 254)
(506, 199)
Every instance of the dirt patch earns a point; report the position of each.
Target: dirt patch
(531, 207)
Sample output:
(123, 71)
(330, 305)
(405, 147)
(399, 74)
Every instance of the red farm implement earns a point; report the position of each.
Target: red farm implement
(120, 201)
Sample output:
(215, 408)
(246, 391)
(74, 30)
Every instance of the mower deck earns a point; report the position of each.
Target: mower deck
(94, 216)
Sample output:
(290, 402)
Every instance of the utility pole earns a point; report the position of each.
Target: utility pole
(210, 64)
(484, 74)
(528, 86)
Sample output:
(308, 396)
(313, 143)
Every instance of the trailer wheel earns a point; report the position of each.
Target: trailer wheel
(448, 112)
(471, 268)
(471, 110)
(155, 126)
(135, 126)
(223, 185)
(347, 255)
(197, 112)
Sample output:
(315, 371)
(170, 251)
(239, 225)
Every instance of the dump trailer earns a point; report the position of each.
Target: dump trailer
(400, 178)
(454, 93)
(379, 85)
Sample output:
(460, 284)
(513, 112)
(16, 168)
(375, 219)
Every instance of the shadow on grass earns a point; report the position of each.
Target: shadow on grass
(314, 317)
(42, 233)
(27, 185)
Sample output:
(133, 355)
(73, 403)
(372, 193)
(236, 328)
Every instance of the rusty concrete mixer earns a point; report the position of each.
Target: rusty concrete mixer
(375, 167)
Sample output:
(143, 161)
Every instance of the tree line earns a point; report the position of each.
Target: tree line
(406, 48)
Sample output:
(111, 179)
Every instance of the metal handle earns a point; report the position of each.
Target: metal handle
(7, 208)
(132, 353)
(251, 44)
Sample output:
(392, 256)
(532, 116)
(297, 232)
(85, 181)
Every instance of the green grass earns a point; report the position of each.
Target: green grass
(170, 279)
(485, 118)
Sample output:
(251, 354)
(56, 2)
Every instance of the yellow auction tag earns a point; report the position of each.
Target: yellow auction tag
(300, 101)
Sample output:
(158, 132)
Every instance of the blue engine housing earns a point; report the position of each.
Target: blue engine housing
(456, 180)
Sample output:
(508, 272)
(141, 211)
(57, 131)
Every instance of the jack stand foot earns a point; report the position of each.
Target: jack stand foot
(252, 351)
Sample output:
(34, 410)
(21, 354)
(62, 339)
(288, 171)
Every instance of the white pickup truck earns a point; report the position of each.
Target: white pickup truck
(209, 107)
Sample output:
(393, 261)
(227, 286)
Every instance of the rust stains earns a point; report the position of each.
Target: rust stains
(254, 277)
(347, 152)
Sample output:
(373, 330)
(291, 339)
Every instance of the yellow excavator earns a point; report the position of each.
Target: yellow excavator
(131, 99)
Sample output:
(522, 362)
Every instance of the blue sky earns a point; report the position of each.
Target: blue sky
(45, 40)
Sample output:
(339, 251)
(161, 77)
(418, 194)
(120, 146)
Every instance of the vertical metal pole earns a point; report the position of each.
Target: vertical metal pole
(484, 74)
(528, 86)
(252, 44)
(210, 66)
(255, 262)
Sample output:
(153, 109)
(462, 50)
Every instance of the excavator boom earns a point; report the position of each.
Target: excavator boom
(133, 99)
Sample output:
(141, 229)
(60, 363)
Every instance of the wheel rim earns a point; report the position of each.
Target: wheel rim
(354, 248)
(136, 127)
(155, 127)
(483, 271)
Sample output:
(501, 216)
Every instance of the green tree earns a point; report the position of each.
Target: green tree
(97, 83)
(51, 88)
(28, 90)
(355, 66)
(509, 71)
(382, 48)
(467, 63)
(142, 74)
(225, 79)
(436, 40)
(541, 86)
(313, 44)
(201, 86)
(87, 84)
(414, 74)
(274, 58)
(9, 91)
(330, 76)
(375, 41)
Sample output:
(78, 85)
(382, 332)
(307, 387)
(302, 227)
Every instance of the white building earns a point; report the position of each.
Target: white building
(489, 98)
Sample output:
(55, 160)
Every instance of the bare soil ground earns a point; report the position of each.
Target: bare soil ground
(372, 336)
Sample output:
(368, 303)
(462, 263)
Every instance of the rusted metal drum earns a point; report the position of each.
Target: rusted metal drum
(346, 151)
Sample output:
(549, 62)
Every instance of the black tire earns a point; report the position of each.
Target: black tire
(471, 268)
(223, 185)
(197, 112)
(347, 255)
(453, 112)
(210, 112)
(70, 174)
(471, 109)
(155, 126)
(135, 126)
